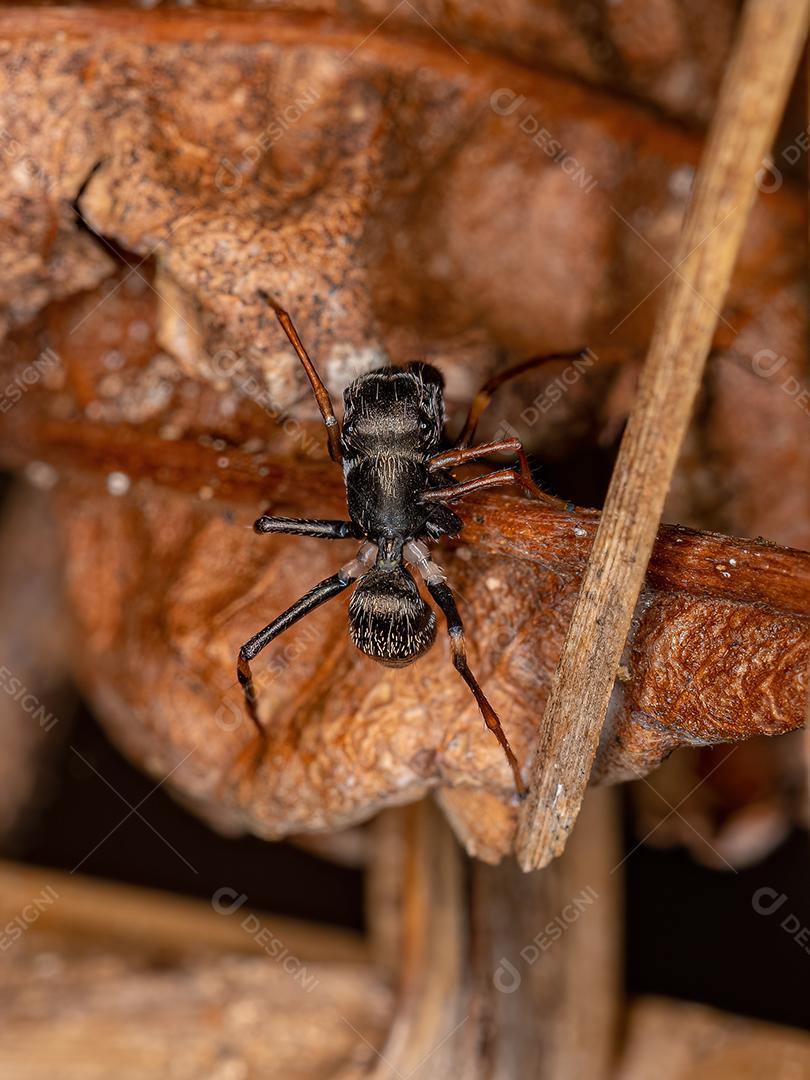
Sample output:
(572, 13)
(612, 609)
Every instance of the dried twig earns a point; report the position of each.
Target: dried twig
(149, 920)
(481, 993)
(752, 98)
(672, 1039)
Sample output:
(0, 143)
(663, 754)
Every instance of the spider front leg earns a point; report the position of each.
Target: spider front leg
(485, 394)
(450, 458)
(318, 528)
(441, 593)
(315, 381)
(451, 492)
(322, 592)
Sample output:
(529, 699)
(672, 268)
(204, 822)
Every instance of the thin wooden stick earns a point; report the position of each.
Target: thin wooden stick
(807, 171)
(752, 99)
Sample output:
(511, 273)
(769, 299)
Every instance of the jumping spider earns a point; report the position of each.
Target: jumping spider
(398, 485)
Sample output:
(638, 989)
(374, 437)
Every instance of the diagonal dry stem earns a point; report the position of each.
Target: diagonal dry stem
(752, 99)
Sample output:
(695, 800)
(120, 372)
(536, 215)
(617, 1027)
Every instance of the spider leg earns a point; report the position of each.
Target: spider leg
(485, 394)
(315, 381)
(321, 529)
(322, 592)
(494, 479)
(460, 455)
(441, 593)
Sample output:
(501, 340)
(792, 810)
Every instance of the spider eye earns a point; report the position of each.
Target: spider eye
(424, 426)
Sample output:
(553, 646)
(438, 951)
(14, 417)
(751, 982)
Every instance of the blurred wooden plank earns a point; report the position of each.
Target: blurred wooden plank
(430, 1034)
(674, 1040)
(550, 956)
(105, 980)
(504, 976)
(93, 1014)
(101, 911)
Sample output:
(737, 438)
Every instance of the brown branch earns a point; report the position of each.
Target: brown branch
(717, 653)
(741, 570)
(751, 101)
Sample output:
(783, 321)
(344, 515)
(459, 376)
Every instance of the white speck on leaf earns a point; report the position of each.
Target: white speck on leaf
(118, 483)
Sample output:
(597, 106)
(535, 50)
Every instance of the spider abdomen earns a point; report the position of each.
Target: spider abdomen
(388, 619)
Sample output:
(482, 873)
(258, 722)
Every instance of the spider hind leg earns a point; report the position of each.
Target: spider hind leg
(322, 592)
(418, 556)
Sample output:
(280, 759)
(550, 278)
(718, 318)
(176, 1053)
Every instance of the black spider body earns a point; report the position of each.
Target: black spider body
(393, 425)
(398, 484)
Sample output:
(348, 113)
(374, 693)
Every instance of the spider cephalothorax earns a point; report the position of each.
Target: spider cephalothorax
(392, 426)
(394, 411)
(398, 485)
